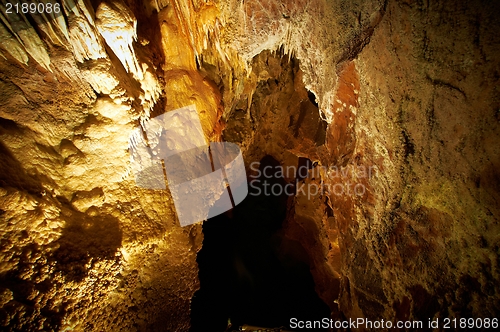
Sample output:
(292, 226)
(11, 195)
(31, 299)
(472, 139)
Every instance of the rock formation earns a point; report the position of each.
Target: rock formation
(393, 106)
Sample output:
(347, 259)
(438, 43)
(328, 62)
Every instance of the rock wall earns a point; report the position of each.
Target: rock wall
(413, 121)
(82, 247)
(393, 106)
(424, 242)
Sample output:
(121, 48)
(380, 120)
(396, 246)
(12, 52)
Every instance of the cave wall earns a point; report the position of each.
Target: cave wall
(83, 247)
(406, 89)
(414, 109)
(424, 243)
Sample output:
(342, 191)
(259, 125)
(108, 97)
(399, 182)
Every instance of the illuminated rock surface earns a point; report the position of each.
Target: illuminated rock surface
(406, 91)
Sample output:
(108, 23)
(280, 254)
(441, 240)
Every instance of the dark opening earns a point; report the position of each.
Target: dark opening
(305, 164)
(244, 277)
(312, 98)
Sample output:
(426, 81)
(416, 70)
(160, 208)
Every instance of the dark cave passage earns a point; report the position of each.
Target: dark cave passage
(245, 274)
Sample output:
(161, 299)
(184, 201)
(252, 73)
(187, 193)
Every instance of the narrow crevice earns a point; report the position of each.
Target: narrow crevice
(245, 277)
(360, 40)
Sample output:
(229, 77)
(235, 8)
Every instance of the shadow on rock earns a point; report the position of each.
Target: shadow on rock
(85, 240)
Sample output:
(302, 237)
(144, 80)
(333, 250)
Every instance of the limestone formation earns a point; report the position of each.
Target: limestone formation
(392, 106)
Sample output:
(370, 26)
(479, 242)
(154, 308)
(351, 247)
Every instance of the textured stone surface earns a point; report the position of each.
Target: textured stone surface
(427, 118)
(82, 247)
(406, 91)
(415, 101)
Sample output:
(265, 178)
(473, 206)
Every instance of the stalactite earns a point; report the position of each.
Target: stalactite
(117, 25)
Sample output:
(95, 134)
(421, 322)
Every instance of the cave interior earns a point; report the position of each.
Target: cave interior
(357, 145)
